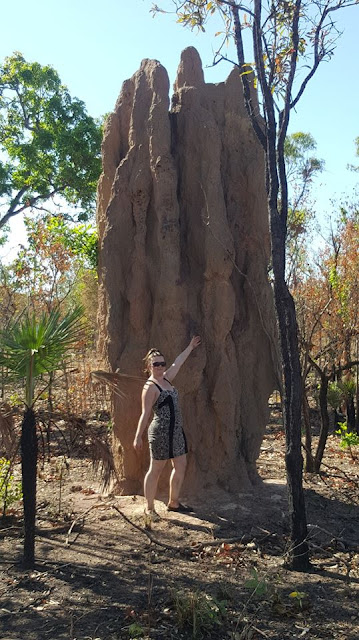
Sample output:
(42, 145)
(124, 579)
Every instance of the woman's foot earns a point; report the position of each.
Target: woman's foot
(152, 515)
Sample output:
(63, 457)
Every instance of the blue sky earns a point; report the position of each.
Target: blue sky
(96, 45)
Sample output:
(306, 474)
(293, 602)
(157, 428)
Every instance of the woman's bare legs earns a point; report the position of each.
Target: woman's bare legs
(176, 480)
(151, 481)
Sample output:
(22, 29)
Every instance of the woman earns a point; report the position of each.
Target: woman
(165, 434)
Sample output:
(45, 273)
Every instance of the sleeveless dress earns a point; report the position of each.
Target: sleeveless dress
(165, 433)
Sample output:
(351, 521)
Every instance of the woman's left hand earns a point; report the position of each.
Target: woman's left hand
(195, 342)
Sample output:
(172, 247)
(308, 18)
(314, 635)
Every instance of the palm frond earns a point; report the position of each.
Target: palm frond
(102, 460)
(122, 384)
(32, 346)
(8, 435)
(46, 339)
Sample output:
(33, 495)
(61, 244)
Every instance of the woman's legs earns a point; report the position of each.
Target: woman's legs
(176, 479)
(151, 481)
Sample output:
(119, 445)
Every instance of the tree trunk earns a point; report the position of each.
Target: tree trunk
(50, 406)
(350, 411)
(277, 195)
(336, 419)
(29, 464)
(324, 428)
(292, 397)
(309, 460)
(292, 421)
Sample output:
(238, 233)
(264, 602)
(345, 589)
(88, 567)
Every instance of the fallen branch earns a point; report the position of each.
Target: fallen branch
(346, 476)
(261, 633)
(80, 517)
(197, 547)
(147, 533)
(335, 556)
(348, 544)
(216, 543)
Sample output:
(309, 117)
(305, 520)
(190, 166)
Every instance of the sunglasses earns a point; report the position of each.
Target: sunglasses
(158, 364)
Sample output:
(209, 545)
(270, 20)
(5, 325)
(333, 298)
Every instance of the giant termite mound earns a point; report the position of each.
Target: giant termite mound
(184, 249)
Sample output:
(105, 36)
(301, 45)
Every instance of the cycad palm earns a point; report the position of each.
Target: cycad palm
(28, 349)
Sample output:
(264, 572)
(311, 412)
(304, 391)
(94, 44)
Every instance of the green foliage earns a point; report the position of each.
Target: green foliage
(4, 232)
(15, 399)
(335, 395)
(135, 631)
(56, 268)
(353, 167)
(301, 169)
(297, 145)
(333, 277)
(10, 490)
(348, 439)
(33, 346)
(49, 145)
(268, 591)
(81, 240)
(198, 611)
(341, 289)
(256, 585)
(299, 597)
(298, 220)
(348, 388)
(287, 32)
(193, 13)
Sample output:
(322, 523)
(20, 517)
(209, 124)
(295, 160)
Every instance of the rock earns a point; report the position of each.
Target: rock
(184, 250)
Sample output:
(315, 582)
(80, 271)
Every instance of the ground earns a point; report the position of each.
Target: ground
(219, 573)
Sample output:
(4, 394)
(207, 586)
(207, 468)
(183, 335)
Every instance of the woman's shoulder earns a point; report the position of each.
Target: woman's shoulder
(152, 386)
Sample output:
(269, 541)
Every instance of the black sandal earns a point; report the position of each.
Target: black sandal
(182, 508)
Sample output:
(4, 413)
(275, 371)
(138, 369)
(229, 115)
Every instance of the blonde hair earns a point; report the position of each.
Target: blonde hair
(147, 359)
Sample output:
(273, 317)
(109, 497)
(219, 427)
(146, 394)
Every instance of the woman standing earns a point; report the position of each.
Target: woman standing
(166, 438)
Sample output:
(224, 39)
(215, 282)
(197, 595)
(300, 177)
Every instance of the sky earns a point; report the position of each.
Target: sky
(95, 46)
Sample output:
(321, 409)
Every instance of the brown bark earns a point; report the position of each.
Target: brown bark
(324, 416)
(350, 411)
(29, 448)
(308, 434)
(292, 397)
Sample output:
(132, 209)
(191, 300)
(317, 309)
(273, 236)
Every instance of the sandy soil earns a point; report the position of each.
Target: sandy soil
(219, 573)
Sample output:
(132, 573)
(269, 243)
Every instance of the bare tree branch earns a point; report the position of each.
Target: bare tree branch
(13, 211)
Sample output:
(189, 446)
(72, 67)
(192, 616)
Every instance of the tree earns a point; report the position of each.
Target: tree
(352, 166)
(29, 348)
(327, 302)
(49, 146)
(55, 270)
(56, 255)
(288, 42)
(301, 167)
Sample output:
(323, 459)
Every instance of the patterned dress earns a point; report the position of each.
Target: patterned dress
(165, 434)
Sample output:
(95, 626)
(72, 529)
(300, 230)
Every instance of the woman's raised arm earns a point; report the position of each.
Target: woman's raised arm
(175, 367)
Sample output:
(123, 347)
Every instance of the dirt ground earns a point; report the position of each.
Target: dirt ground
(218, 573)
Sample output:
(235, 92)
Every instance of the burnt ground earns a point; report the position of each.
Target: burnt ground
(219, 573)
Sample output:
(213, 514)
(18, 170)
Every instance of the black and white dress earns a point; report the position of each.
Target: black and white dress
(165, 434)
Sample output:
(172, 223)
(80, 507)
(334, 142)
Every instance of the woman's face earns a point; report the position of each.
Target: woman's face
(158, 366)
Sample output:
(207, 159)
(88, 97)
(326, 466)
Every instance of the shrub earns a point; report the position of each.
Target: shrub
(10, 489)
(348, 439)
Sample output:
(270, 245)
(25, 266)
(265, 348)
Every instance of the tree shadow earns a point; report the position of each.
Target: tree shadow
(110, 577)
